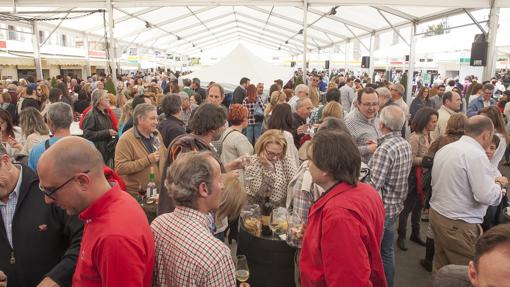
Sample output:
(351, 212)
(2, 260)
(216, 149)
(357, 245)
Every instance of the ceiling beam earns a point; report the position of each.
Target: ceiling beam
(297, 22)
(267, 40)
(248, 27)
(292, 32)
(254, 40)
(196, 38)
(126, 17)
(153, 3)
(340, 20)
(397, 13)
(166, 22)
(192, 26)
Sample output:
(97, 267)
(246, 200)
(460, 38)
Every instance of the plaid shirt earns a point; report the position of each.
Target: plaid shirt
(7, 209)
(362, 130)
(390, 166)
(187, 254)
(251, 108)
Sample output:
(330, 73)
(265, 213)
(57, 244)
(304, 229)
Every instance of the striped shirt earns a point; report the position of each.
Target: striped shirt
(390, 167)
(362, 130)
(187, 254)
(7, 209)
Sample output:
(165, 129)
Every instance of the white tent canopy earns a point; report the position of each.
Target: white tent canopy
(242, 63)
(188, 27)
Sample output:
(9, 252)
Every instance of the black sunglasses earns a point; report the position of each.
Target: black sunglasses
(50, 191)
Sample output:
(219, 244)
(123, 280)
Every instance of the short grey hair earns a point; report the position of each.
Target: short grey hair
(301, 102)
(60, 114)
(384, 92)
(400, 88)
(142, 110)
(183, 95)
(300, 88)
(186, 174)
(96, 96)
(393, 117)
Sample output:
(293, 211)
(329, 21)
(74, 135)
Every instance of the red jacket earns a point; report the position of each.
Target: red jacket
(342, 243)
(117, 247)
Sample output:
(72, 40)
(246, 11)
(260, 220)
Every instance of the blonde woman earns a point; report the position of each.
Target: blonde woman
(332, 109)
(125, 115)
(277, 97)
(34, 130)
(270, 170)
(232, 200)
(43, 91)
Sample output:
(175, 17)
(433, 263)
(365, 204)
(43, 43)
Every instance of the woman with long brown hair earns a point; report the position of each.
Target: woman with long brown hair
(421, 100)
(255, 107)
(496, 117)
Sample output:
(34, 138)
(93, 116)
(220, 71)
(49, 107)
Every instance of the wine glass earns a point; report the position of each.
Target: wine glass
(278, 221)
(142, 192)
(242, 270)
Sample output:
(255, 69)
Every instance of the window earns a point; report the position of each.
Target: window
(12, 33)
(395, 38)
(42, 36)
(63, 40)
(377, 42)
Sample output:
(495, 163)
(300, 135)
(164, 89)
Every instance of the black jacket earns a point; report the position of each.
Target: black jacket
(170, 128)
(238, 95)
(46, 240)
(96, 126)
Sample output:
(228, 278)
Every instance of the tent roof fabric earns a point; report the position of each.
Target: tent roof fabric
(189, 26)
(242, 62)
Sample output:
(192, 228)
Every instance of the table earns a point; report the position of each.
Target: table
(271, 261)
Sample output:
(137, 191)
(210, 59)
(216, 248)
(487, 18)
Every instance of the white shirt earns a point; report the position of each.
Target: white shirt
(7, 209)
(463, 182)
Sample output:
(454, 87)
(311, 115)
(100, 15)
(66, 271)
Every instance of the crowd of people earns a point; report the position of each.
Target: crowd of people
(346, 154)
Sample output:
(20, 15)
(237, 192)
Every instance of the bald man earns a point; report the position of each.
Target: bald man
(462, 174)
(117, 247)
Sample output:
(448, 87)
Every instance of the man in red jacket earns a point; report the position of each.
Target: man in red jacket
(117, 247)
(342, 242)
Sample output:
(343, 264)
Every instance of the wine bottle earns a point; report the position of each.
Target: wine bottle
(266, 213)
(152, 189)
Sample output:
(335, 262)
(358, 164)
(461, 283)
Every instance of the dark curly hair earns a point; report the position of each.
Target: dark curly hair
(208, 117)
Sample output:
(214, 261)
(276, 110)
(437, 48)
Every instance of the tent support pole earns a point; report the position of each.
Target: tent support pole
(410, 70)
(37, 51)
(346, 59)
(111, 46)
(371, 55)
(305, 40)
(490, 68)
(87, 55)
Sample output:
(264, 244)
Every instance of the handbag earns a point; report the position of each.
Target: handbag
(259, 113)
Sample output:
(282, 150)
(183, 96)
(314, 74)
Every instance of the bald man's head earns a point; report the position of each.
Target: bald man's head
(478, 124)
(70, 155)
(481, 129)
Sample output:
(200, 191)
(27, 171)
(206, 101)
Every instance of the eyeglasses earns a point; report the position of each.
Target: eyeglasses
(368, 105)
(273, 154)
(50, 191)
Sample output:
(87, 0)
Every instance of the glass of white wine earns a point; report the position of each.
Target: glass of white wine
(278, 220)
(242, 271)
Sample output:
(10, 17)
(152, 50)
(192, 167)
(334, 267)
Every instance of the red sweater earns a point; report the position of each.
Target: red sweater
(342, 243)
(117, 248)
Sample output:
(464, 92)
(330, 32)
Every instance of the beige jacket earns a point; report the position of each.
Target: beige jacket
(442, 121)
(132, 161)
